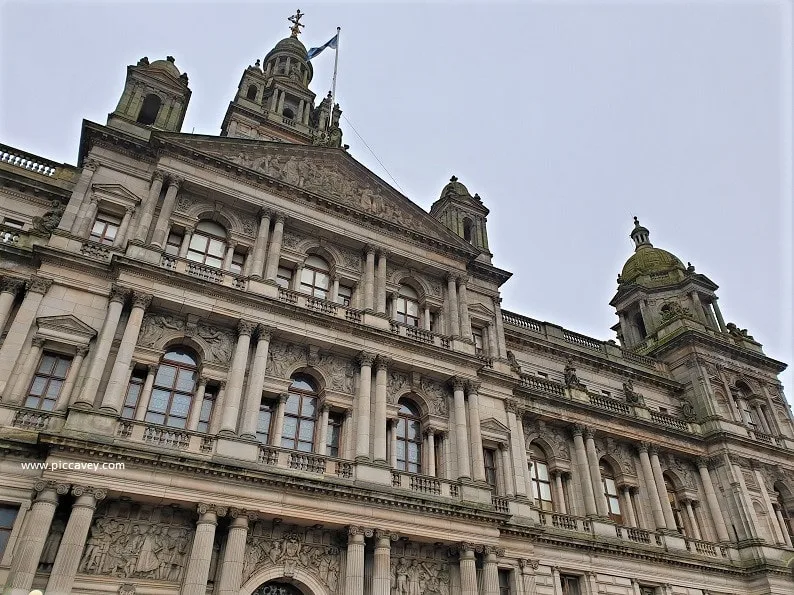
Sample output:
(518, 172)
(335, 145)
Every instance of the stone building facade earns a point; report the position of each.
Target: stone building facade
(254, 367)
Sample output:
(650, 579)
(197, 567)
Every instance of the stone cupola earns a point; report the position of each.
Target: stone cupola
(464, 214)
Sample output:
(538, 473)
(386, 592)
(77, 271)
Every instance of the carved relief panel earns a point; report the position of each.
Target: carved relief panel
(158, 329)
(418, 569)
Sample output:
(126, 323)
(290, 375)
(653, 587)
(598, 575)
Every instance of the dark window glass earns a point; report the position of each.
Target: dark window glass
(570, 585)
(407, 309)
(266, 409)
(489, 459)
(284, 277)
(409, 438)
(8, 514)
(174, 385)
(48, 381)
(476, 334)
(207, 408)
(504, 582)
(300, 415)
(334, 439)
(134, 390)
(173, 243)
(541, 481)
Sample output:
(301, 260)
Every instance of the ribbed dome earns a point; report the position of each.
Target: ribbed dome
(455, 187)
(289, 44)
(649, 261)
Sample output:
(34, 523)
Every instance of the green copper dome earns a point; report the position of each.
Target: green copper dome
(659, 266)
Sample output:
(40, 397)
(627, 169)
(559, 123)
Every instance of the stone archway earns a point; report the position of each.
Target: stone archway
(278, 588)
(296, 582)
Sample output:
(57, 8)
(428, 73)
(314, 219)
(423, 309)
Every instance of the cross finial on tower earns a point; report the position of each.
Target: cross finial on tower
(296, 22)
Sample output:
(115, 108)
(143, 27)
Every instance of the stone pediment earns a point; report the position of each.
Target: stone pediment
(330, 173)
(116, 191)
(494, 427)
(65, 326)
(478, 309)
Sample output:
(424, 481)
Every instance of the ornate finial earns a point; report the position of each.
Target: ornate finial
(690, 268)
(453, 179)
(296, 24)
(257, 63)
(636, 221)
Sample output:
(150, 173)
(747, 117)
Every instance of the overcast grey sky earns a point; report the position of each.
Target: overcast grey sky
(567, 118)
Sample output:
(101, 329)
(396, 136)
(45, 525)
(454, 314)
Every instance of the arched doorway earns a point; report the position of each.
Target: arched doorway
(277, 588)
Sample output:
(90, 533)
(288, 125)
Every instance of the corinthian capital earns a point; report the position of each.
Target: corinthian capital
(245, 327)
(141, 300)
(365, 358)
(119, 294)
(11, 285)
(382, 362)
(458, 383)
(473, 386)
(39, 284)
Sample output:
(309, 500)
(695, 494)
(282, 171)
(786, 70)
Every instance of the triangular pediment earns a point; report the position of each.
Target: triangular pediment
(478, 309)
(331, 173)
(492, 426)
(115, 191)
(65, 324)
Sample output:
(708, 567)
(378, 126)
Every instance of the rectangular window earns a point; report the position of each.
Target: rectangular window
(335, 421)
(105, 228)
(476, 334)
(238, 260)
(8, 514)
(345, 295)
(205, 415)
(48, 381)
(504, 582)
(648, 590)
(173, 244)
(13, 223)
(489, 458)
(266, 409)
(284, 277)
(570, 585)
(134, 390)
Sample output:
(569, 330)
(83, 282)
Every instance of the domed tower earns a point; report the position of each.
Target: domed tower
(274, 102)
(465, 215)
(659, 298)
(155, 97)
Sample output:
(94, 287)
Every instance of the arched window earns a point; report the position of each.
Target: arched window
(300, 414)
(208, 244)
(409, 437)
(277, 588)
(611, 492)
(149, 109)
(541, 482)
(174, 385)
(315, 278)
(781, 511)
(288, 113)
(676, 506)
(407, 307)
(251, 93)
(468, 230)
(640, 324)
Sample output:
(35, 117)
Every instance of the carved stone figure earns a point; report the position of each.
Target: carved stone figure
(220, 343)
(687, 410)
(51, 544)
(282, 357)
(154, 326)
(571, 379)
(49, 220)
(738, 333)
(632, 397)
(514, 365)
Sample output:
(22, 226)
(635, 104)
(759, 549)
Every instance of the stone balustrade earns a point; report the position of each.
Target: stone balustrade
(418, 334)
(165, 437)
(36, 419)
(425, 484)
(665, 419)
(202, 271)
(609, 404)
(315, 464)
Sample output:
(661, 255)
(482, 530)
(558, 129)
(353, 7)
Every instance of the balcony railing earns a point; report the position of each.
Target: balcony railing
(705, 548)
(283, 458)
(27, 161)
(419, 334)
(565, 521)
(670, 421)
(633, 534)
(202, 271)
(96, 250)
(34, 419)
(500, 504)
(424, 484)
(608, 404)
(540, 384)
(165, 437)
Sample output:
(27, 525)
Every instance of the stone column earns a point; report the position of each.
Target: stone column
(461, 435)
(87, 218)
(234, 555)
(71, 379)
(185, 245)
(381, 369)
(73, 541)
(8, 292)
(393, 441)
(463, 304)
(18, 331)
(198, 401)
(164, 219)
(354, 577)
(101, 350)
(113, 400)
(559, 493)
(426, 318)
(363, 406)
(274, 252)
(121, 235)
(717, 312)
(146, 393)
(381, 575)
(258, 258)
(278, 425)
(490, 572)
(31, 543)
(369, 278)
(528, 568)
(783, 527)
(453, 314)
(506, 470)
(583, 469)
(555, 577)
(198, 566)
(380, 283)
(220, 399)
(148, 207)
(500, 328)
(650, 486)
(234, 379)
(519, 451)
(334, 297)
(595, 474)
(759, 477)
(256, 381)
(635, 587)
(431, 452)
(690, 515)
(629, 517)
(229, 256)
(656, 467)
(477, 463)
(75, 205)
(25, 375)
(468, 570)
(296, 279)
(348, 444)
(322, 445)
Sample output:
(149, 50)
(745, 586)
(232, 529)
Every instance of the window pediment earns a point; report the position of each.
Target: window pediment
(66, 328)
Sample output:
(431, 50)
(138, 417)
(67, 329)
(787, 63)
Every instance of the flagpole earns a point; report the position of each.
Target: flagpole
(333, 81)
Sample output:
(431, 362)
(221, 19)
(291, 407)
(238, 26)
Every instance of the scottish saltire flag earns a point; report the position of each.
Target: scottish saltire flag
(331, 43)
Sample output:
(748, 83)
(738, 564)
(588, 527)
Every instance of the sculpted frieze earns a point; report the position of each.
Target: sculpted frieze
(419, 569)
(311, 550)
(683, 470)
(337, 371)
(157, 329)
(436, 396)
(398, 385)
(282, 358)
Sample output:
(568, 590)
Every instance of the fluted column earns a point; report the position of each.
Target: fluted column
(18, 331)
(381, 370)
(363, 406)
(256, 381)
(490, 572)
(260, 245)
(121, 235)
(27, 552)
(527, 578)
(656, 467)
(234, 555)
(278, 424)
(354, 577)
(583, 469)
(101, 350)
(25, 375)
(463, 304)
(274, 252)
(114, 393)
(461, 433)
(147, 213)
(73, 541)
(65, 397)
(75, 205)
(381, 574)
(454, 313)
(198, 566)
(518, 450)
(234, 379)
(595, 474)
(468, 570)
(8, 292)
(650, 487)
(369, 278)
(475, 431)
(164, 219)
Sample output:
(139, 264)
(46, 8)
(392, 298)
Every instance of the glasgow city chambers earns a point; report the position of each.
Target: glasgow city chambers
(244, 364)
